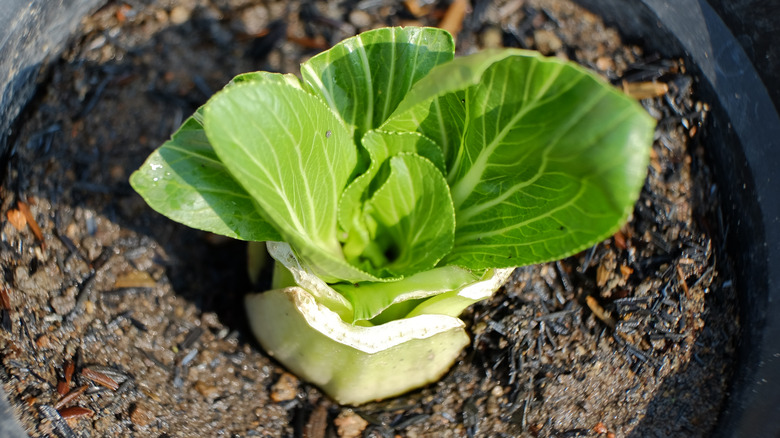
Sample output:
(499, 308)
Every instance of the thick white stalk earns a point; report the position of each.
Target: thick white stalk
(305, 328)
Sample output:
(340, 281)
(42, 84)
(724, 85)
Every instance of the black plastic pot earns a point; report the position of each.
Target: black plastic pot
(732, 45)
(744, 147)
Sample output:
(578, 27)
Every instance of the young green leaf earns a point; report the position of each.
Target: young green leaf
(358, 227)
(294, 157)
(414, 216)
(552, 162)
(266, 77)
(455, 301)
(370, 299)
(436, 104)
(185, 180)
(363, 78)
(550, 158)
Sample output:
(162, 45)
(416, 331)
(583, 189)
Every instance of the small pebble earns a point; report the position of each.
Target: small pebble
(604, 64)
(206, 390)
(360, 19)
(141, 415)
(492, 38)
(97, 43)
(62, 304)
(285, 389)
(43, 341)
(349, 424)
(547, 41)
(161, 16)
(254, 20)
(179, 15)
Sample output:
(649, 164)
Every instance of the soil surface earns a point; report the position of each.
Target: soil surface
(115, 321)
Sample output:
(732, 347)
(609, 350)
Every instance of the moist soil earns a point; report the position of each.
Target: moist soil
(118, 322)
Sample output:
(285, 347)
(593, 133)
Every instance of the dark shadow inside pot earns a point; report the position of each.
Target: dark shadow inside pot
(743, 135)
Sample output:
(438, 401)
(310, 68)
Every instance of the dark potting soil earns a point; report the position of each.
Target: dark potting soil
(115, 321)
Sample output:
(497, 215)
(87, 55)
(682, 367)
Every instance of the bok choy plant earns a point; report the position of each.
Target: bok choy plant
(395, 185)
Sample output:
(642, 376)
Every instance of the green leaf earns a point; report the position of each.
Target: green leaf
(383, 145)
(552, 161)
(380, 147)
(413, 215)
(370, 299)
(454, 76)
(454, 302)
(436, 106)
(294, 157)
(185, 181)
(363, 78)
(549, 158)
(264, 76)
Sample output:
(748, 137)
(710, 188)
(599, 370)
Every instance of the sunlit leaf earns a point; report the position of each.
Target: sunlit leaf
(355, 222)
(413, 215)
(550, 158)
(186, 181)
(363, 78)
(370, 299)
(297, 185)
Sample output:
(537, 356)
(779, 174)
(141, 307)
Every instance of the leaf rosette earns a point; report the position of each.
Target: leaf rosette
(395, 181)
